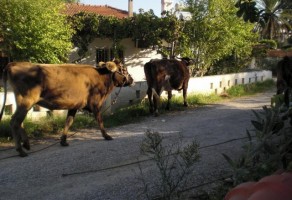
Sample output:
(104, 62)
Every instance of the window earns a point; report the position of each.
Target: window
(104, 54)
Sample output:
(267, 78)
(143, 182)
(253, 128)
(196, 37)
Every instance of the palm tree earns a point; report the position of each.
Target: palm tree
(272, 17)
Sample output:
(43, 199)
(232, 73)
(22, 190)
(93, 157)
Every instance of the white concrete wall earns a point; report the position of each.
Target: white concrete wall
(129, 95)
(219, 83)
(204, 85)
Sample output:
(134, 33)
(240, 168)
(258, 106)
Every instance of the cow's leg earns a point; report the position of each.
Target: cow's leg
(150, 98)
(169, 95)
(69, 121)
(185, 88)
(18, 131)
(98, 117)
(156, 99)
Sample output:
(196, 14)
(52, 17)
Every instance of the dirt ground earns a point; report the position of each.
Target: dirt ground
(92, 168)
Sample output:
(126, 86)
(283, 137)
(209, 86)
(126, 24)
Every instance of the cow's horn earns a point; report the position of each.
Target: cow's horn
(111, 66)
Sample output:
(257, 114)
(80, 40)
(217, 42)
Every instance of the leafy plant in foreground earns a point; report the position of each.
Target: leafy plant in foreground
(174, 162)
(271, 148)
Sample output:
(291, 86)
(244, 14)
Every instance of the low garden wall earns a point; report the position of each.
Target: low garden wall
(206, 85)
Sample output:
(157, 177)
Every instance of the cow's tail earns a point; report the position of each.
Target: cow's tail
(4, 78)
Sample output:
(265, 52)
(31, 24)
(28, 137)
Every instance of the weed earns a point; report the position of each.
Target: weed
(174, 162)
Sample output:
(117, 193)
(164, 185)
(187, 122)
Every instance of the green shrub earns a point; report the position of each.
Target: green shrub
(272, 44)
(269, 148)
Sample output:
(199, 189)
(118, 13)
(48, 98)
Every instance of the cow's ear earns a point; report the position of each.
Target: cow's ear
(111, 66)
(101, 64)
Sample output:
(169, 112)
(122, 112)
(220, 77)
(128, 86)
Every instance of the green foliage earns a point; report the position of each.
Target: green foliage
(174, 162)
(271, 149)
(271, 44)
(247, 10)
(146, 28)
(216, 33)
(86, 29)
(271, 16)
(35, 30)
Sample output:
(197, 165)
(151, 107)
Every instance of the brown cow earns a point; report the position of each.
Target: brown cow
(284, 78)
(166, 74)
(60, 86)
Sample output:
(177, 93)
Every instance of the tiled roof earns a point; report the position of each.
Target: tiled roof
(74, 8)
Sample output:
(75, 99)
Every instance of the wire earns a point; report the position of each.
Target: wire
(144, 160)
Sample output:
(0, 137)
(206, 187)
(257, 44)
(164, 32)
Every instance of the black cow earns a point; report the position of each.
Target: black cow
(60, 86)
(166, 74)
(284, 78)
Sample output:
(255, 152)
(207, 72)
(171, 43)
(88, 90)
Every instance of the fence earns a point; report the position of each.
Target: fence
(130, 95)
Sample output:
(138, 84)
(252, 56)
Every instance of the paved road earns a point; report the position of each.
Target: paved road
(40, 175)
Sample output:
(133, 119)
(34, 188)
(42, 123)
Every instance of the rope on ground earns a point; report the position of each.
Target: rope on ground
(31, 152)
(144, 160)
(114, 101)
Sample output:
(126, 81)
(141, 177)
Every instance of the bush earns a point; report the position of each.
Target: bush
(271, 44)
(271, 148)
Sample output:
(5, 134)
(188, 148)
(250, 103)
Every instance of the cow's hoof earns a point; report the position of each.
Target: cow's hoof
(107, 137)
(63, 141)
(21, 153)
(26, 145)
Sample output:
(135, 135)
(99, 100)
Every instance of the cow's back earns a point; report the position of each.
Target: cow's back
(65, 86)
(160, 70)
(23, 76)
(287, 70)
(284, 74)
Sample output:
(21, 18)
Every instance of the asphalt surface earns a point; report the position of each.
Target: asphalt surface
(92, 168)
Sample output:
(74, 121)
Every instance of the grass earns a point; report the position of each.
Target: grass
(130, 114)
(250, 89)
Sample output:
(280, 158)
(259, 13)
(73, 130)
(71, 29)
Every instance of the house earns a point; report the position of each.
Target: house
(101, 50)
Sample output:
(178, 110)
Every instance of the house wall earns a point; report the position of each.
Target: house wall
(135, 58)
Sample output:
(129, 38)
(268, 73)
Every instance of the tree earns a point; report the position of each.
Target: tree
(35, 31)
(215, 33)
(146, 28)
(271, 16)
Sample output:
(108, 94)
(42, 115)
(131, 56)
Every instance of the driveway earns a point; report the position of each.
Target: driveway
(92, 168)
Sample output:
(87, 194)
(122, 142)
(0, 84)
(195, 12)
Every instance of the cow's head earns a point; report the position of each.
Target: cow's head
(120, 76)
(187, 61)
